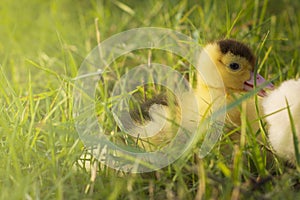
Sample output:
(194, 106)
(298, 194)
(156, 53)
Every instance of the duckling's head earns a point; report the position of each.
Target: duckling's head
(235, 64)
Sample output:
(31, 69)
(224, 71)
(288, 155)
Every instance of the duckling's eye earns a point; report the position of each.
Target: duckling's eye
(234, 66)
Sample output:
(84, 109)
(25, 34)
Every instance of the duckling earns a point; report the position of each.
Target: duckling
(277, 116)
(235, 64)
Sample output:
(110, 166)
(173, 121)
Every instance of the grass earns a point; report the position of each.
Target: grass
(42, 46)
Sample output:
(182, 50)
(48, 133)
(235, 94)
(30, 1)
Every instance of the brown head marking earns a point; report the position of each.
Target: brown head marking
(237, 48)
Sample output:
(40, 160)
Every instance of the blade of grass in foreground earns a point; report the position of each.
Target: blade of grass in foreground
(295, 138)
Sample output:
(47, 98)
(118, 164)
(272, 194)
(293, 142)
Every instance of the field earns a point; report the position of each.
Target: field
(42, 45)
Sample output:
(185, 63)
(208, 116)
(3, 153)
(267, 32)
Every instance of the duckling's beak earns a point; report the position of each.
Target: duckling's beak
(249, 85)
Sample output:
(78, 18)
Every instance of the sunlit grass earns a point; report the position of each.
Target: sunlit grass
(42, 46)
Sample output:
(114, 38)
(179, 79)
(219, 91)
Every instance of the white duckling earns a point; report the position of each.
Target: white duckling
(277, 116)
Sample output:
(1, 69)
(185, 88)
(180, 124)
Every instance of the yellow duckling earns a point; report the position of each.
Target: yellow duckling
(235, 63)
(226, 68)
(280, 127)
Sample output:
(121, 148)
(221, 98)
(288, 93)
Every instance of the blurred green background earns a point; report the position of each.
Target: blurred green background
(42, 44)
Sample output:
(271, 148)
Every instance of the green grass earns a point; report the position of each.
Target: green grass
(41, 48)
